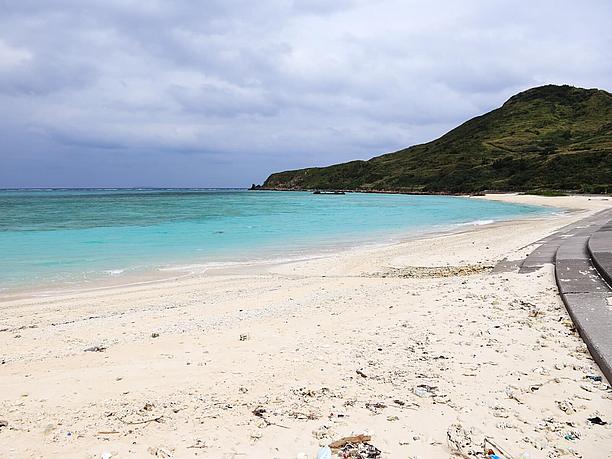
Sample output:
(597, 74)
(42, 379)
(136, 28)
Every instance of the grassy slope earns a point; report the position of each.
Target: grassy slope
(546, 138)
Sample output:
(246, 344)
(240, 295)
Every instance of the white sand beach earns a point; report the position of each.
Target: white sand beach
(271, 360)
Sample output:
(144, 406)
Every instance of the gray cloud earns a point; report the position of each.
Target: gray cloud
(222, 92)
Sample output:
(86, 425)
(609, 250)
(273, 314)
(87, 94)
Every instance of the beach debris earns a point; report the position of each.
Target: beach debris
(374, 407)
(423, 272)
(597, 420)
(244, 337)
(571, 436)
(361, 438)
(392, 418)
(594, 378)
(534, 311)
(423, 390)
(512, 395)
(154, 335)
(492, 453)
(106, 455)
(459, 441)
(500, 412)
(199, 444)
(308, 416)
(566, 406)
(355, 447)
(361, 373)
(144, 421)
(3, 423)
(322, 432)
(159, 452)
(324, 453)
(95, 349)
(260, 411)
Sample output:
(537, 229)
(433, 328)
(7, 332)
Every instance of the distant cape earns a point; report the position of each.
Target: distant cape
(546, 138)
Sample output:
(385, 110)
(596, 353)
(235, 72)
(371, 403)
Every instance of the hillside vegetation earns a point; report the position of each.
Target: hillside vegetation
(545, 138)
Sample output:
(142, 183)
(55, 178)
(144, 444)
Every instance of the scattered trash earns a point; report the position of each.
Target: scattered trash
(375, 407)
(260, 411)
(302, 456)
(3, 423)
(324, 453)
(459, 441)
(566, 406)
(95, 349)
(159, 452)
(361, 373)
(392, 418)
(491, 454)
(571, 436)
(423, 390)
(244, 337)
(199, 444)
(512, 395)
(338, 444)
(595, 378)
(534, 311)
(154, 335)
(106, 455)
(354, 447)
(322, 432)
(597, 420)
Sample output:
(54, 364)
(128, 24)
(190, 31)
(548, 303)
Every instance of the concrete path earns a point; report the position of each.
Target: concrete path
(582, 255)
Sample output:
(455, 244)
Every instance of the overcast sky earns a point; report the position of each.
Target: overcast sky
(223, 92)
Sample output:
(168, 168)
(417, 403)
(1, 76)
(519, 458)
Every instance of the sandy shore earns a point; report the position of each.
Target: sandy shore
(272, 360)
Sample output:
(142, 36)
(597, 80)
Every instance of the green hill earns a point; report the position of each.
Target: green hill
(545, 138)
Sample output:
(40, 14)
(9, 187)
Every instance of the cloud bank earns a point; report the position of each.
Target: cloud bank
(221, 93)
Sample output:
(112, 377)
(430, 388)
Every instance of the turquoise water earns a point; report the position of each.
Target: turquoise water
(51, 236)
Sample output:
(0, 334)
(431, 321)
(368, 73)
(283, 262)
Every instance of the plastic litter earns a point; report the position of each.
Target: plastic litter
(572, 436)
(324, 453)
(423, 390)
(597, 420)
(355, 447)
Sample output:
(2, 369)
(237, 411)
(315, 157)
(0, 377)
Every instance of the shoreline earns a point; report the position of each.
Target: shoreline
(181, 366)
(189, 268)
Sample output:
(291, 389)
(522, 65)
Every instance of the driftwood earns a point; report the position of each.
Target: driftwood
(338, 444)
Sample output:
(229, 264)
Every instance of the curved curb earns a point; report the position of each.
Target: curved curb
(600, 250)
(587, 298)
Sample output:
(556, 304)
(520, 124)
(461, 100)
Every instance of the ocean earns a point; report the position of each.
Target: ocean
(64, 237)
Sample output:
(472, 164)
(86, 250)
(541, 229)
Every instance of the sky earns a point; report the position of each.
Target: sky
(220, 93)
